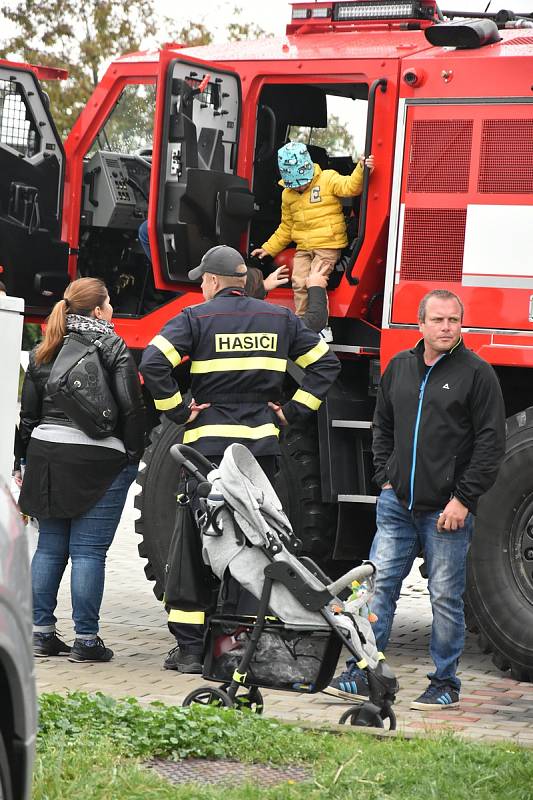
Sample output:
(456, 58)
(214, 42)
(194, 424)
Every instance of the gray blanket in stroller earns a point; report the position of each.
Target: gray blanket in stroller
(247, 503)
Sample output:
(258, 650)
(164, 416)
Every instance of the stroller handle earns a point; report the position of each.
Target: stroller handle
(192, 461)
(365, 570)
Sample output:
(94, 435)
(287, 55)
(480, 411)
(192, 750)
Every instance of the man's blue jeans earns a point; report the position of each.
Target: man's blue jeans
(142, 235)
(86, 540)
(400, 536)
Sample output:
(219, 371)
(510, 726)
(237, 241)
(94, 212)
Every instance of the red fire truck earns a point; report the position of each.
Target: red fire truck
(186, 138)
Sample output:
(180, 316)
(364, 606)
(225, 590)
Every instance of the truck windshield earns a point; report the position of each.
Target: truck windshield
(130, 126)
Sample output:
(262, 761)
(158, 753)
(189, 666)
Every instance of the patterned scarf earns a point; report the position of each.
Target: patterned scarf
(78, 323)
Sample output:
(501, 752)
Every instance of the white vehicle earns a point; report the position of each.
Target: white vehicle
(18, 705)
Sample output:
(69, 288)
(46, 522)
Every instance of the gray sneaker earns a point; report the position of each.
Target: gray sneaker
(84, 650)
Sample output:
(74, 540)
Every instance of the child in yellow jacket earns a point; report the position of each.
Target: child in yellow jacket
(311, 215)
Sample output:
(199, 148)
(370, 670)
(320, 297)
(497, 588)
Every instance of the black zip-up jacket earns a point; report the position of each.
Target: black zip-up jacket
(37, 406)
(438, 432)
(239, 348)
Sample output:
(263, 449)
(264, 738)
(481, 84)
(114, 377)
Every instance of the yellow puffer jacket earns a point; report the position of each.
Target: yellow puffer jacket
(314, 219)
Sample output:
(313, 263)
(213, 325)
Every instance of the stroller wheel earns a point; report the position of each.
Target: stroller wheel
(360, 717)
(252, 700)
(209, 696)
(388, 713)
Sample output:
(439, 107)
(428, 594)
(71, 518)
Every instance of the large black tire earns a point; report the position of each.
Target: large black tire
(298, 486)
(6, 792)
(499, 595)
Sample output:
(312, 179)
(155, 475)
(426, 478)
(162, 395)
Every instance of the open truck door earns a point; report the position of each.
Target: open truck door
(201, 202)
(32, 166)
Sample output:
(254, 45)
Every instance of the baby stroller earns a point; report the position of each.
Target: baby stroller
(294, 641)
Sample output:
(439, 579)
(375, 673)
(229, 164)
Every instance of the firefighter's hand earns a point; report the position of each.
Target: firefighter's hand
(453, 516)
(318, 275)
(368, 162)
(17, 477)
(279, 277)
(260, 252)
(276, 408)
(196, 410)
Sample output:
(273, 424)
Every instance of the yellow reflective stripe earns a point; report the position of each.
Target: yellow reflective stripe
(313, 355)
(362, 664)
(167, 348)
(231, 431)
(239, 677)
(188, 617)
(168, 402)
(380, 657)
(241, 363)
(307, 399)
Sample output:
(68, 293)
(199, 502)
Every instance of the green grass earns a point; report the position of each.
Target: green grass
(89, 747)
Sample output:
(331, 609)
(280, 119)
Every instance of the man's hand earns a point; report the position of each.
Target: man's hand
(196, 410)
(260, 252)
(387, 485)
(17, 477)
(276, 408)
(366, 162)
(318, 275)
(279, 277)
(453, 516)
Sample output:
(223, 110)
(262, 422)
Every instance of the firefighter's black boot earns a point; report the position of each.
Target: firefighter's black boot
(184, 659)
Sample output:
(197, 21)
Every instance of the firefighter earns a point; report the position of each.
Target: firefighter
(239, 348)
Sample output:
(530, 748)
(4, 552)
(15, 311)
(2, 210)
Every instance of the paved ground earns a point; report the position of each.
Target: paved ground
(133, 624)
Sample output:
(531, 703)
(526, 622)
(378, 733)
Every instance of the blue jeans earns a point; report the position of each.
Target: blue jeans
(142, 235)
(400, 536)
(86, 540)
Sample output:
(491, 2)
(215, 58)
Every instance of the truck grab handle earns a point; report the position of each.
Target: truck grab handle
(365, 570)
(380, 83)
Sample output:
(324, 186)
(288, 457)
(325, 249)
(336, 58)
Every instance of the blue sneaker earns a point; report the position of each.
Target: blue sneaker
(352, 684)
(437, 697)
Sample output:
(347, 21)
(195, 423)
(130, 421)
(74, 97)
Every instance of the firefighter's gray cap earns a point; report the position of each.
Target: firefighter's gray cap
(220, 260)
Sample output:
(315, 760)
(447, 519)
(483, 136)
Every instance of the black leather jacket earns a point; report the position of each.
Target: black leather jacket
(37, 406)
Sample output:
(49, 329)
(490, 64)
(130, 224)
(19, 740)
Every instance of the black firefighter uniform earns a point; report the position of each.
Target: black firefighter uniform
(239, 348)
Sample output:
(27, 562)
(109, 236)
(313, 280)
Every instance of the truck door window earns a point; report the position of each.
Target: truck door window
(18, 127)
(329, 118)
(116, 184)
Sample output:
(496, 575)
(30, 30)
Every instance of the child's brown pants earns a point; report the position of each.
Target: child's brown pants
(301, 267)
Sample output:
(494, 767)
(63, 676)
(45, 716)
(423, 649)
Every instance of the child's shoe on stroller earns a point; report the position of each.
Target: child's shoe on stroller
(185, 660)
(352, 684)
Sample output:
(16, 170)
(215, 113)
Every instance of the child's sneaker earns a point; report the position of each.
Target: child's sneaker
(352, 684)
(49, 644)
(90, 650)
(326, 334)
(437, 697)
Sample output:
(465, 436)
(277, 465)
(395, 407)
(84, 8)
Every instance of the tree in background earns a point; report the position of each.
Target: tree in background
(82, 37)
(79, 37)
(336, 138)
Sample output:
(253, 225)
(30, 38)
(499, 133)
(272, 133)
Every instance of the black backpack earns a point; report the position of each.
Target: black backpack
(78, 385)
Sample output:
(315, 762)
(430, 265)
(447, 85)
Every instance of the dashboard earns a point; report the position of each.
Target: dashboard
(116, 187)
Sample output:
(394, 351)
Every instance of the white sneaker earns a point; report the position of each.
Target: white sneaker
(326, 334)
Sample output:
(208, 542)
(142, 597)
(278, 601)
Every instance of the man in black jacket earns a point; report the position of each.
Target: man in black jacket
(438, 439)
(239, 348)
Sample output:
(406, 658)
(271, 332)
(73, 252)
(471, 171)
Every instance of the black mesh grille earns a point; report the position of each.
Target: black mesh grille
(17, 126)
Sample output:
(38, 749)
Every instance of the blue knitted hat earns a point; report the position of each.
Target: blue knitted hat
(295, 165)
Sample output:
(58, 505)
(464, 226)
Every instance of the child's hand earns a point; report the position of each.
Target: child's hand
(366, 162)
(260, 252)
(318, 276)
(279, 277)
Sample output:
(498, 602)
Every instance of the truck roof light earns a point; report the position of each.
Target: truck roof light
(322, 12)
(301, 13)
(463, 34)
(383, 9)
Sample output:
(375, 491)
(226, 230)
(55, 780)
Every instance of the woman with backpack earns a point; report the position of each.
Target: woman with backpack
(75, 483)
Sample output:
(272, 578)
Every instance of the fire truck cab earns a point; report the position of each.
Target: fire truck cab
(181, 142)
